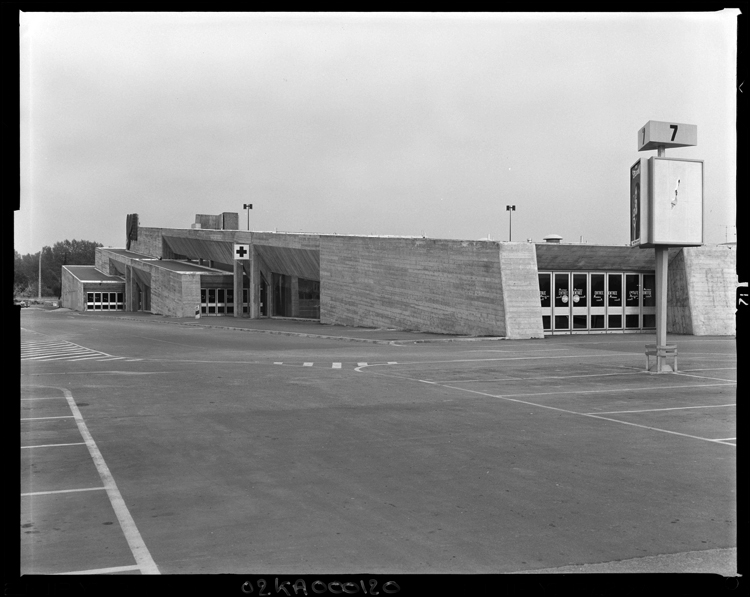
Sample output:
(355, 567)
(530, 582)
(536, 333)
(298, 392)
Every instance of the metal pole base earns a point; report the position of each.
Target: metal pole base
(662, 355)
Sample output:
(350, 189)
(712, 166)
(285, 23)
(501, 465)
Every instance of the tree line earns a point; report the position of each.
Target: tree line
(67, 252)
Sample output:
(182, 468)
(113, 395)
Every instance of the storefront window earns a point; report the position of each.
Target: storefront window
(597, 291)
(614, 296)
(580, 290)
(632, 292)
(649, 295)
(544, 288)
(562, 291)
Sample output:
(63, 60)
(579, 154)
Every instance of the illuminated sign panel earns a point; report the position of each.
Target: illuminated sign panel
(638, 201)
(666, 202)
(675, 202)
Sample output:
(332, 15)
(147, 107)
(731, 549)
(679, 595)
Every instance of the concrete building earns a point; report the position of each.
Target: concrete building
(480, 288)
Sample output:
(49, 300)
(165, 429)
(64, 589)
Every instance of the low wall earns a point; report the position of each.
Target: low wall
(701, 293)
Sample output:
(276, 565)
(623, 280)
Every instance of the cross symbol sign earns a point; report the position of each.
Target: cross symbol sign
(241, 251)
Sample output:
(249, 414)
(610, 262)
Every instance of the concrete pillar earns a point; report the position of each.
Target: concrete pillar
(295, 296)
(254, 290)
(238, 270)
(130, 289)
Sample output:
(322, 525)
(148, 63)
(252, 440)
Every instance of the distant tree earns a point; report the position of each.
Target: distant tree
(67, 252)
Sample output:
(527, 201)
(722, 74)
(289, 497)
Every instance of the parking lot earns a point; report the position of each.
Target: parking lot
(154, 446)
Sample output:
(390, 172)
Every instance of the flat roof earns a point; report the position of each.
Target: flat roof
(125, 253)
(89, 273)
(174, 265)
(186, 267)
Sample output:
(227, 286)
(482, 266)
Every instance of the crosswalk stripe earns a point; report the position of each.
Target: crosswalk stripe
(44, 351)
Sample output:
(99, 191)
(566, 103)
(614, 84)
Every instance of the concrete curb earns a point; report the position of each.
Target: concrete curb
(318, 336)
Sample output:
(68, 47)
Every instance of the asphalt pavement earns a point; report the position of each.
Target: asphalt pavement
(186, 446)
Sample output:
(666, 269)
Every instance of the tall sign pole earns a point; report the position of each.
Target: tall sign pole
(510, 209)
(666, 206)
(248, 207)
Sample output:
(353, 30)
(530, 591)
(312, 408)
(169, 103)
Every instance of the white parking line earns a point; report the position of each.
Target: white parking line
(132, 535)
(701, 376)
(62, 491)
(572, 412)
(44, 418)
(52, 445)
(651, 410)
(102, 570)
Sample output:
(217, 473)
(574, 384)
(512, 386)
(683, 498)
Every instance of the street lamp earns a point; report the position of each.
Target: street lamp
(248, 207)
(511, 209)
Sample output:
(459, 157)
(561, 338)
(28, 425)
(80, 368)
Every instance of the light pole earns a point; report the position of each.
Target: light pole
(248, 207)
(511, 209)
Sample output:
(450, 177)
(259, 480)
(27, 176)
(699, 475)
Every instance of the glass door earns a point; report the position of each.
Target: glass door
(579, 302)
(220, 301)
(598, 309)
(614, 301)
(649, 301)
(561, 320)
(230, 301)
(632, 301)
(211, 302)
(544, 298)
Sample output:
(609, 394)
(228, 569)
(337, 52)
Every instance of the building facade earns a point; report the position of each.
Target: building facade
(478, 288)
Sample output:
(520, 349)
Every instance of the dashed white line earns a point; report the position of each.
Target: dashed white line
(307, 364)
(336, 366)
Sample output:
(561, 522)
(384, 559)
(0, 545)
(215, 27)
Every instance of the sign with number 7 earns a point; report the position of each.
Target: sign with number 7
(666, 134)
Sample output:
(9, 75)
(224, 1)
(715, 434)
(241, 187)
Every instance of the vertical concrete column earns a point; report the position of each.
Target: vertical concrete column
(238, 270)
(295, 296)
(129, 289)
(254, 290)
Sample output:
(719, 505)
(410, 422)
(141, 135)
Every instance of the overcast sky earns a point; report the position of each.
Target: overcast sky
(365, 123)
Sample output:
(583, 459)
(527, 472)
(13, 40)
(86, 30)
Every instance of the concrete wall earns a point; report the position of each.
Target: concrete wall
(701, 291)
(521, 307)
(421, 284)
(230, 220)
(149, 242)
(72, 296)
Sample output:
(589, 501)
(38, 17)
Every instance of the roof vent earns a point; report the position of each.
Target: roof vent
(553, 238)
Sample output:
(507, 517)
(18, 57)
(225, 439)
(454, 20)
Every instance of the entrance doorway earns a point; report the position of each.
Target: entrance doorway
(597, 302)
(217, 301)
